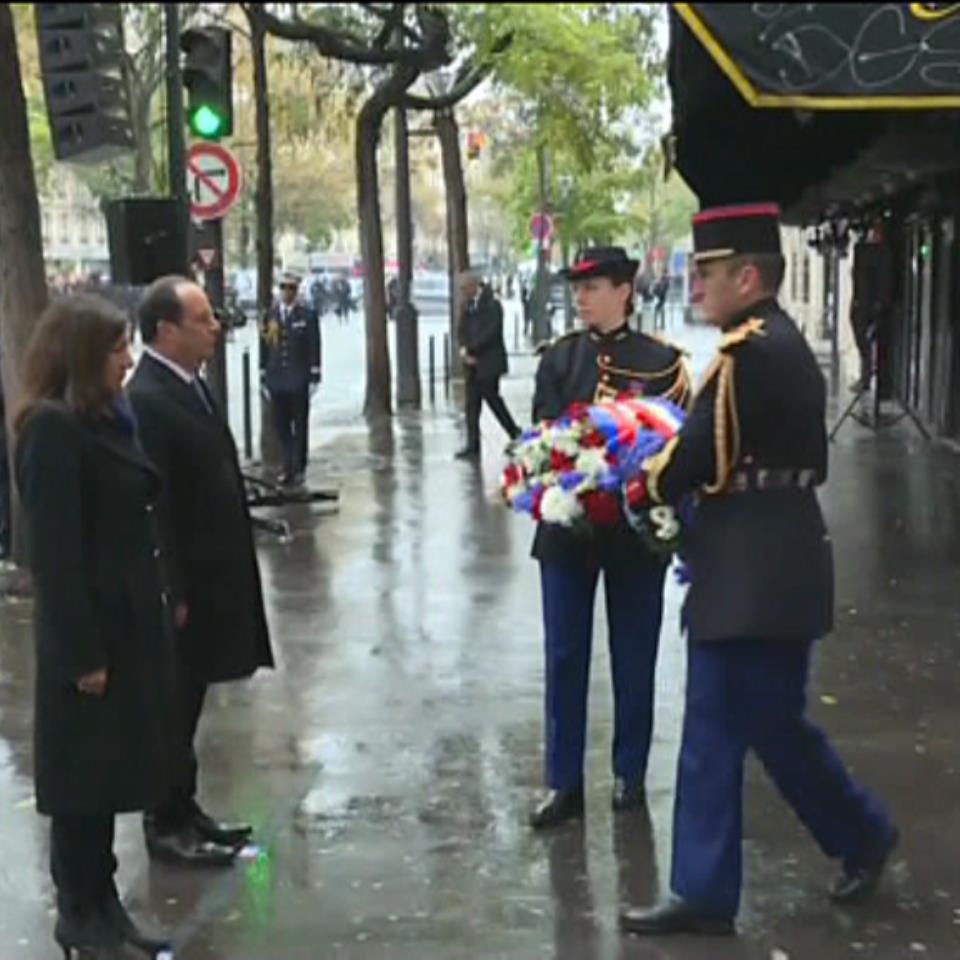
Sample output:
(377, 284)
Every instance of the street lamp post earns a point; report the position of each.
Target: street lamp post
(566, 196)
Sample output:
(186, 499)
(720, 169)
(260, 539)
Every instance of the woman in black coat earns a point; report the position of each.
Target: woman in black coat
(103, 650)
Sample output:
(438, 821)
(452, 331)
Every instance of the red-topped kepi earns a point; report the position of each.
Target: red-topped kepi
(602, 262)
(728, 231)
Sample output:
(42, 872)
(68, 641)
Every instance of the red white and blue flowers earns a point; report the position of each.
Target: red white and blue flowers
(586, 468)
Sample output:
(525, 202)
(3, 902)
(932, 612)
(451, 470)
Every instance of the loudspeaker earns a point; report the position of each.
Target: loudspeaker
(146, 240)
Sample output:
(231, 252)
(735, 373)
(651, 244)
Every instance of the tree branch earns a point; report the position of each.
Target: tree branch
(468, 82)
(329, 43)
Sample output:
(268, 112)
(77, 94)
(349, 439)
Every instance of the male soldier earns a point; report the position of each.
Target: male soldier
(753, 449)
(484, 356)
(290, 371)
(600, 362)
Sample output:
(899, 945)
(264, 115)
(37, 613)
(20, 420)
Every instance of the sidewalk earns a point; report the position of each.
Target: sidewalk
(390, 760)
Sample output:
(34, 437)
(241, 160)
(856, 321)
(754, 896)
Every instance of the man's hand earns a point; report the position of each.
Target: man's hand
(467, 358)
(94, 684)
(181, 614)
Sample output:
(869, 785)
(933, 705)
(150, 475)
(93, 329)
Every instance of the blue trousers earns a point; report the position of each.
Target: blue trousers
(634, 611)
(751, 694)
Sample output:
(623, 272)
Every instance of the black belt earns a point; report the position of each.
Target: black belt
(773, 478)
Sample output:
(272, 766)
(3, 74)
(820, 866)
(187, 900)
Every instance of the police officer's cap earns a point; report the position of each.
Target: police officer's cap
(610, 262)
(722, 232)
(288, 279)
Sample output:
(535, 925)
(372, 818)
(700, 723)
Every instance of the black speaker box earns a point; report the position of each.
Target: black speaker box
(145, 238)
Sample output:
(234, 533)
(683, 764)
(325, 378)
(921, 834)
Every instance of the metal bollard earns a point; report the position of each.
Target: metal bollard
(247, 415)
(433, 369)
(446, 363)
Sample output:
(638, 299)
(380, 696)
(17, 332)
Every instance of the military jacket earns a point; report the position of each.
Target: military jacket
(586, 366)
(290, 348)
(753, 450)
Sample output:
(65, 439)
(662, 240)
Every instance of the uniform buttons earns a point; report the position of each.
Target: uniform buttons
(606, 377)
(156, 553)
(164, 597)
(149, 508)
(607, 359)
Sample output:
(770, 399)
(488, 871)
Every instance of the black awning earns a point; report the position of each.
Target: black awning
(809, 161)
(834, 56)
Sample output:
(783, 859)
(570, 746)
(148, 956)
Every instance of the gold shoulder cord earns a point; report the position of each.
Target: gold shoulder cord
(726, 425)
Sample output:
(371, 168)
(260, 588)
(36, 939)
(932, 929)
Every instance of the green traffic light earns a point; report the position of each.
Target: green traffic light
(206, 122)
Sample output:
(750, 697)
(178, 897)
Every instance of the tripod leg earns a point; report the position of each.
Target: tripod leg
(847, 412)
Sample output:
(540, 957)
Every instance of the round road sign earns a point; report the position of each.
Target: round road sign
(213, 180)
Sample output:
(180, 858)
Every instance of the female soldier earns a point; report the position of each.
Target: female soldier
(599, 362)
(102, 639)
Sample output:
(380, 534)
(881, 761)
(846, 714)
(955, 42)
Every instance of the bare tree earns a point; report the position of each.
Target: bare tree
(23, 290)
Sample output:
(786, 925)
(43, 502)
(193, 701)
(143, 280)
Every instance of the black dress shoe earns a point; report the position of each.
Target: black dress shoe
(85, 936)
(855, 885)
(467, 453)
(629, 797)
(675, 916)
(114, 913)
(556, 808)
(227, 834)
(187, 848)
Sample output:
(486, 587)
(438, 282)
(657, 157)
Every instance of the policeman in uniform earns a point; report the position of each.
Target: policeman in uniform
(290, 372)
(599, 362)
(752, 450)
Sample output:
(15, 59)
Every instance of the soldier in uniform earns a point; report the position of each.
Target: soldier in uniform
(290, 372)
(752, 451)
(599, 362)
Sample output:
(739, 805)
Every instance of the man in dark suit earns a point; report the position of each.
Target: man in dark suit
(290, 371)
(752, 452)
(484, 358)
(211, 564)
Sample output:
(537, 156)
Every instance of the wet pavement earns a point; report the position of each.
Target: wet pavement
(391, 759)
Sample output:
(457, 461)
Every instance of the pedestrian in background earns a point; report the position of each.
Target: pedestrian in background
(211, 564)
(103, 639)
(290, 372)
(484, 357)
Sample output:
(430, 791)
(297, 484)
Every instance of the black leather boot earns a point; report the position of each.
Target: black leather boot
(116, 917)
(558, 807)
(82, 936)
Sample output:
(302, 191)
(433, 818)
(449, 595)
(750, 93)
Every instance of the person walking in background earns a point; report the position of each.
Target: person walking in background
(290, 372)
(484, 357)
(104, 651)
(211, 563)
(660, 291)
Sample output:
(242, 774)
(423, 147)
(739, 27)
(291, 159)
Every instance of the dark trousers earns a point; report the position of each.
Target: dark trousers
(180, 803)
(479, 390)
(82, 863)
(634, 612)
(291, 415)
(751, 694)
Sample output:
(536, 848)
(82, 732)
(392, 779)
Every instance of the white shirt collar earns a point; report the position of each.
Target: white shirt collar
(170, 365)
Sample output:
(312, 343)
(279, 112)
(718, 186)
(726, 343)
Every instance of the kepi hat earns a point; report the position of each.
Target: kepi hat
(721, 232)
(610, 262)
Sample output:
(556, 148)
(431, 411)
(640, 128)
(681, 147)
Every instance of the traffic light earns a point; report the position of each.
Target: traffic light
(81, 61)
(208, 77)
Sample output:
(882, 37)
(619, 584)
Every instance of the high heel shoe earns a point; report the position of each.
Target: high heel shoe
(114, 913)
(85, 938)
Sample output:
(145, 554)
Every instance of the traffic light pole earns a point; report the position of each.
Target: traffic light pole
(176, 144)
(213, 283)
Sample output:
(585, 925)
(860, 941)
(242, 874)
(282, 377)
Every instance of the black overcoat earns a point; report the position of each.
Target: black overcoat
(89, 498)
(205, 527)
(482, 336)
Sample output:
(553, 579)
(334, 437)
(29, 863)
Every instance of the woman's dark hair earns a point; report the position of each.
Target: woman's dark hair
(66, 359)
(618, 280)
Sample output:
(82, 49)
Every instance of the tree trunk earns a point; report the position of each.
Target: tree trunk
(270, 452)
(23, 291)
(388, 93)
(142, 142)
(458, 239)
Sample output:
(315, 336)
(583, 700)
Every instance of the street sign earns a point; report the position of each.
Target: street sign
(541, 226)
(213, 180)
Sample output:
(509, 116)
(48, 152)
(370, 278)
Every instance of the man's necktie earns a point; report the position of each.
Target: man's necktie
(202, 394)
